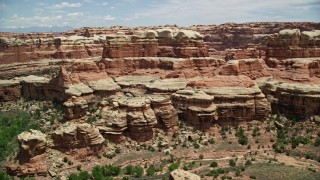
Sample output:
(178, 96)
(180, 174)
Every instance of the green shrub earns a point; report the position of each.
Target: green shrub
(151, 170)
(201, 156)
(238, 172)
(196, 145)
(174, 166)
(84, 175)
(214, 164)
(253, 177)
(13, 123)
(256, 132)
(248, 163)
(138, 171)
(110, 170)
(4, 176)
(73, 176)
(232, 163)
(97, 172)
(295, 141)
(221, 171)
(211, 141)
(110, 155)
(317, 142)
(242, 138)
(213, 173)
(117, 150)
(104, 172)
(129, 170)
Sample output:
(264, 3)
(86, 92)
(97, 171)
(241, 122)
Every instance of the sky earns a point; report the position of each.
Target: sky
(98, 13)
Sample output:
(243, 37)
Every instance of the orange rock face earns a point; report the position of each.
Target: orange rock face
(152, 77)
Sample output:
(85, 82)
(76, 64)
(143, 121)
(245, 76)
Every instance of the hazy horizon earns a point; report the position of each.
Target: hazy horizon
(105, 13)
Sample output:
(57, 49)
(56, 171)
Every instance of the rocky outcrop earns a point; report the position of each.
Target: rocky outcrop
(35, 87)
(292, 43)
(163, 67)
(254, 68)
(233, 35)
(237, 98)
(10, 90)
(166, 114)
(180, 174)
(32, 143)
(24, 49)
(296, 100)
(159, 43)
(132, 113)
(75, 108)
(246, 53)
(196, 107)
(295, 69)
(72, 135)
(28, 169)
(85, 78)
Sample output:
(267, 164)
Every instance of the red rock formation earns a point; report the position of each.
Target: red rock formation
(10, 90)
(75, 108)
(295, 69)
(163, 67)
(166, 114)
(35, 49)
(28, 169)
(254, 68)
(237, 98)
(32, 143)
(162, 43)
(132, 113)
(291, 43)
(196, 107)
(295, 100)
(72, 135)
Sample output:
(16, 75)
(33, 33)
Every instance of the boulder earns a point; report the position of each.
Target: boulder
(77, 135)
(31, 143)
(180, 174)
(75, 108)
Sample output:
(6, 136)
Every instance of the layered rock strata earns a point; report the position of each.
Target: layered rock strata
(75, 108)
(292, 43)
(295, 69)
(296, 100)
(35, 87)
(254, 68)
(28, 169)
(165, 112)
(196, 107)
(73, 135)
(133, 114)
(153, 43)
(37, 48)
(163, 67)
(32, 143)
(10, 90)
(237, 98)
